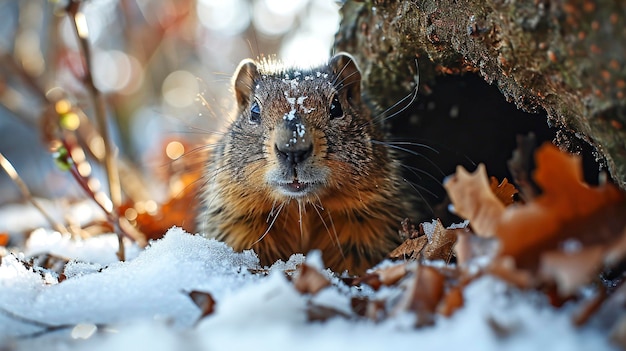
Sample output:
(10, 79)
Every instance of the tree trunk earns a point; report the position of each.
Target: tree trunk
(565, 57)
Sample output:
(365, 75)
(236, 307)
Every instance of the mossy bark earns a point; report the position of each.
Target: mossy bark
(565, 57)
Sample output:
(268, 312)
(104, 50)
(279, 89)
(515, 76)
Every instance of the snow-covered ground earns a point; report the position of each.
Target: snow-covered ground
(143, 304)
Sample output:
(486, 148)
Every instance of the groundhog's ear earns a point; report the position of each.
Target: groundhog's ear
(348, 76)
(243, 81)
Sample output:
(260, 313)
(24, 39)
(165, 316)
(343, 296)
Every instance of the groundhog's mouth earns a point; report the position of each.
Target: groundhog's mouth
(296, 188)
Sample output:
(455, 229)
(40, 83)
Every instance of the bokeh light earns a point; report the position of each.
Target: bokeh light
(115, 71)
(180, 89)
(227, 17)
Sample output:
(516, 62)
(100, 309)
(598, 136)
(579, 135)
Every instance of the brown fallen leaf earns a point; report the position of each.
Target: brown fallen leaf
(383, 276)
(471, 247)
(571, 270)
(473, 199)
(523, 229)
(440, 242)
(424, 292)
(452, 301)
(317, 313)
(504, 268)
(4, 239)
(182, 176)
(409, 249)
(589, 308)
(204, 301)
(309, 280)
(559, 241)
(565, 197)
(371, 309)
(391, 275)
(504, 191)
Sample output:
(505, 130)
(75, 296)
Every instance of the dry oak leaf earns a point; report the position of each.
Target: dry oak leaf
(409, 249)
(521, 228)
(571, 270)
(565, 197)
(387, 276)
(204, 301)
(424, 293)
(174, 212)
(452, 301)
(504, 190)
(308, 280)
(472, 248)
(473, 199)
(440, 241)
(374, 310)
(414, 242)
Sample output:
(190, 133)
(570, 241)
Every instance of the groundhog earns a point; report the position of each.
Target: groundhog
(305, 165)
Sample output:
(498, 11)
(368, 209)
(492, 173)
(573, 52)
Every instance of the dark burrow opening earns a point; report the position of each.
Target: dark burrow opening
(468, 121)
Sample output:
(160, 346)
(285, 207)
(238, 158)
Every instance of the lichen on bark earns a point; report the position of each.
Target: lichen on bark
(566, 57)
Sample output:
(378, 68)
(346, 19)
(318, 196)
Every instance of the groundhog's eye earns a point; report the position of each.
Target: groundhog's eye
(335, 108)
(255, 113)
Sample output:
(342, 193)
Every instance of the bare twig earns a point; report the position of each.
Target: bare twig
(12, 173)
(23, 319)
(121, 225)
(45, 327)
(8, 62)
(80, 28)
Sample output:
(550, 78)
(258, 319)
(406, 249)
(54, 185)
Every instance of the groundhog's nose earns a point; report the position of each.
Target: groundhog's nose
(293, 142)
(293, 157)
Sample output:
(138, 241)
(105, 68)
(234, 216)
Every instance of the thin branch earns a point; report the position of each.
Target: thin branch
(120, 223)
(24, 320)
(45, 327)
(11, 66)
(12, 173)
(81, 31)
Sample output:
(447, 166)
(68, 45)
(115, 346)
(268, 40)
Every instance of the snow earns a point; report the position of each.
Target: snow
(142, 304)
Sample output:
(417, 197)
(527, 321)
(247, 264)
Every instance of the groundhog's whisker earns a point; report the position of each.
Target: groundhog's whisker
(342, 86)
(411, 143)
(340, 75)
(280, 208)
(422, 188)
(300, 219)
(416, 170)
(333, 236)
(211, 177)
(409, 151)
(384, 117)
(198, 130)
(419, 193)
(271, 213)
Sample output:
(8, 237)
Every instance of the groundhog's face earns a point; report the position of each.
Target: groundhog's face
(302, 134)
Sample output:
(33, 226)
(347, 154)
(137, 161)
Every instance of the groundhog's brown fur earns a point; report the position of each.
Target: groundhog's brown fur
(304, 167)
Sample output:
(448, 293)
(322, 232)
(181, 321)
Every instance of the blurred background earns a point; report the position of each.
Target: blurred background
(164, 68)
(163, 65)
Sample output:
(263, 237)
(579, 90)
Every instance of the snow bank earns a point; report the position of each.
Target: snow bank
(142, 304)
